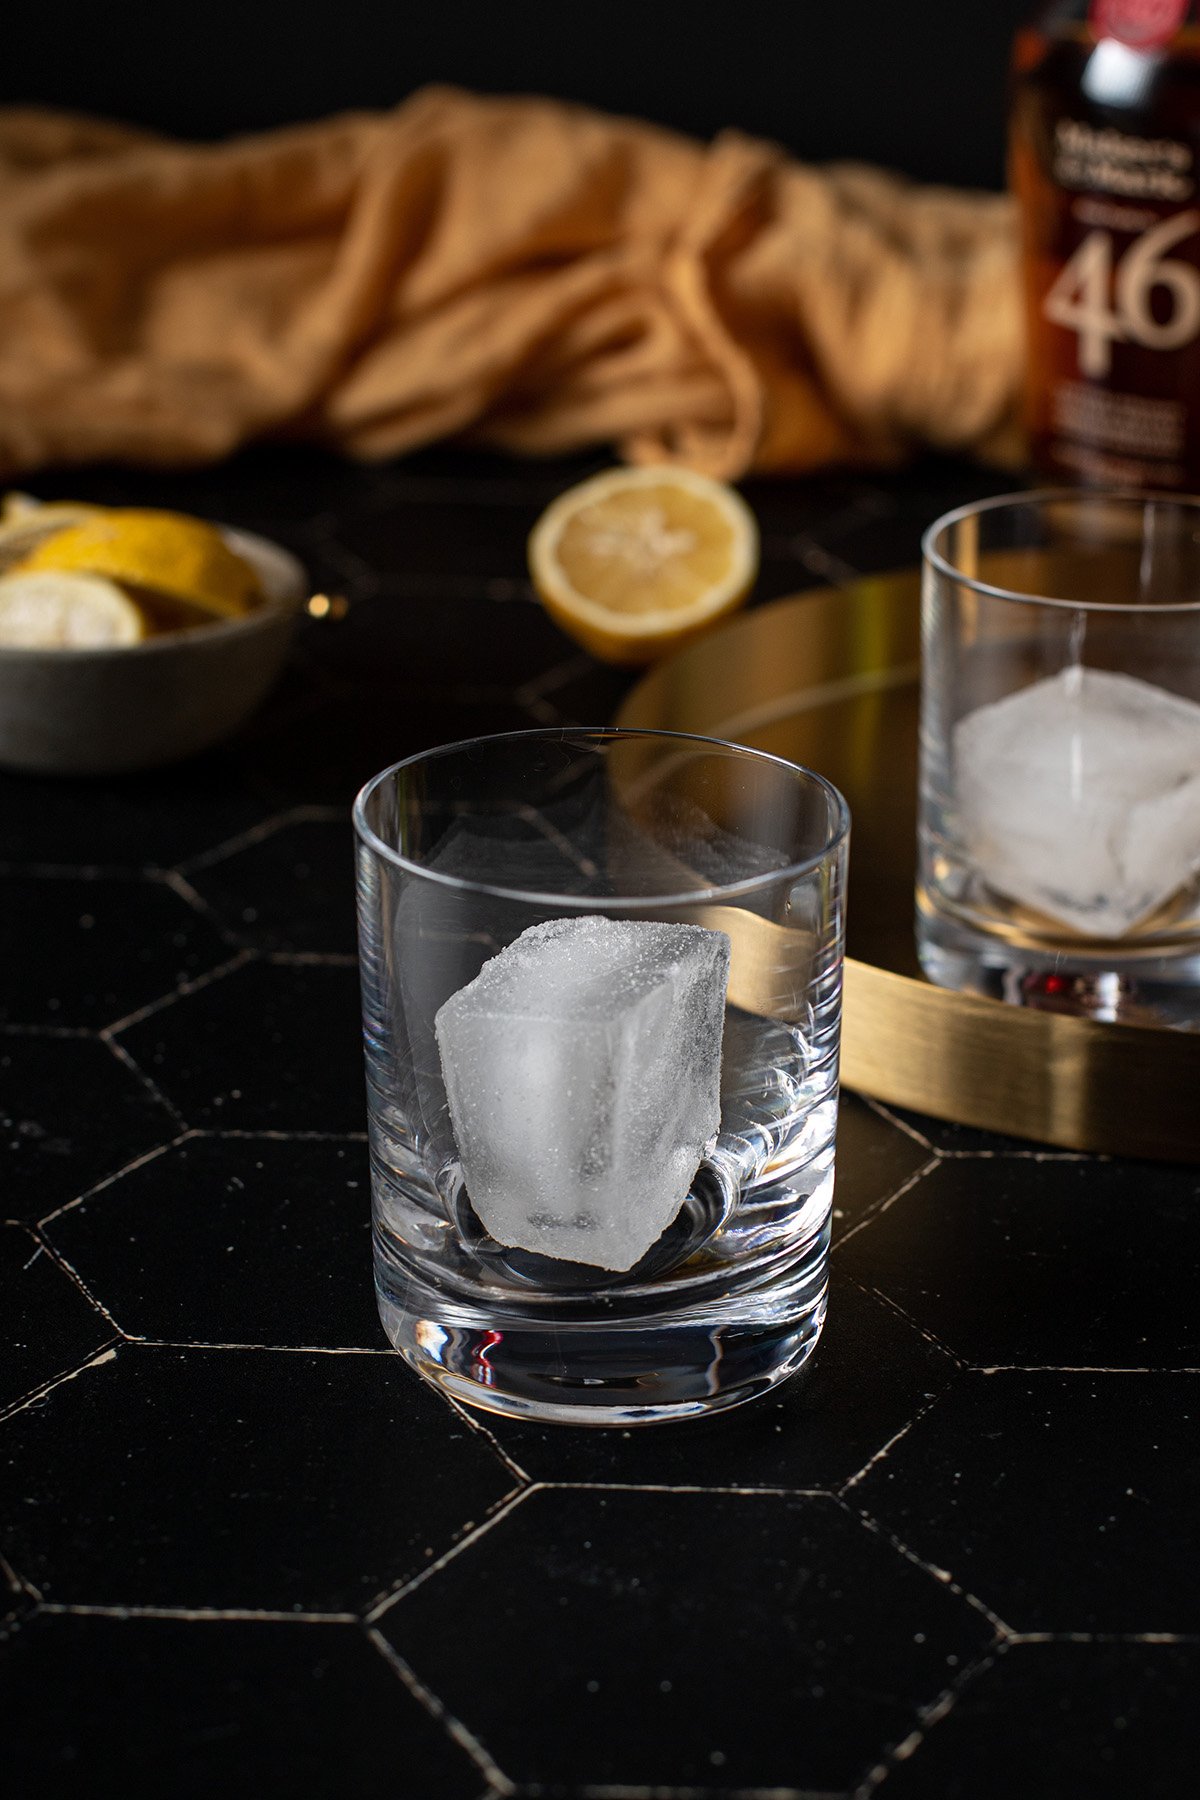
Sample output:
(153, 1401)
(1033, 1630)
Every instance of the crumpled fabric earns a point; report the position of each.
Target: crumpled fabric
(519, 272)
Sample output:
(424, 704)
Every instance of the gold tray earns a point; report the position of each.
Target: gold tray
(831, 679)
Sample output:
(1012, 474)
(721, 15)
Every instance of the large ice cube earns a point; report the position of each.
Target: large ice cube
(1080, 796)
(582, 1069)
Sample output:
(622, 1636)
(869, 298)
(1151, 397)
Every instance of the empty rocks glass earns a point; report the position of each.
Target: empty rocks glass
(601, 993)
(1060, 754)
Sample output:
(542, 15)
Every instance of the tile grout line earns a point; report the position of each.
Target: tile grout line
(278, 820)
(310, 959)
(282, 1137)
(1002, 1630)
(1026, 1638)
(191, 897)
(883, 1111)
(106, 1354)
(98, 1187)
(453, 1726)
(481, 1430)
(18, 1583)
(621, 1790)
(182, 992)
(148, 1082)
(44, 871)
(1077, 1369)
(68, 1269)
(8, 1029)
(684, 1487)
(247, 1615)
(927, 1718)
(153, 1343)
(931, 1338)
(885, 1205)
(508, 1503)
(894, 1306)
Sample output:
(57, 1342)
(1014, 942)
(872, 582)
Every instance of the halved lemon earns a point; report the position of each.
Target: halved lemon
(166, 552)
(58, 610)
(635, 561)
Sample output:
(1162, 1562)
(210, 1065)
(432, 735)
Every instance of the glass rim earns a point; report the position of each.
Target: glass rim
(1036, 497)
(752, 884)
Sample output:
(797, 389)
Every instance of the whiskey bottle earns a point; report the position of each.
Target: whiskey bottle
(1104, 158)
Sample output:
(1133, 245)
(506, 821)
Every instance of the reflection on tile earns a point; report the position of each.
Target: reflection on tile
(204, 1707)
(702, 1640)
(869, 1375)
(1066, 1502)
(238, 1478)
(267, 1047)
(234, 1241)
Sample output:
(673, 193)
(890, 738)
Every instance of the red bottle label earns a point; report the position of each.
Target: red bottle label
(1141, 24)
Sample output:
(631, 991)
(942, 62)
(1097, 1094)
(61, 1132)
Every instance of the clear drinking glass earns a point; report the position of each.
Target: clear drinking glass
(602, 1155)
(1059, 855)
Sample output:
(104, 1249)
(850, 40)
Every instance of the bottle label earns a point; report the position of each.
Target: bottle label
(1140, 24)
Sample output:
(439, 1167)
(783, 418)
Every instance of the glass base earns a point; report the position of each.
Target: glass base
(1129, 990)
(601, 1372)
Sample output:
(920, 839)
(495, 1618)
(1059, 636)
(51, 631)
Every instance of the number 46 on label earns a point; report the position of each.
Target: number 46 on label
(1080, 298)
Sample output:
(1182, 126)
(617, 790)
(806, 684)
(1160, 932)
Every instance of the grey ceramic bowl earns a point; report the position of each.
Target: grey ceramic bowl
(101, 712)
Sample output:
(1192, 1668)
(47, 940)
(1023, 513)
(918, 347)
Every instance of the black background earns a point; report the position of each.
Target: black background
(917, 85)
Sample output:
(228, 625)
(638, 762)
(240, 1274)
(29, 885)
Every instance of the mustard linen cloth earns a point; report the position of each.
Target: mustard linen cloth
(518, 271)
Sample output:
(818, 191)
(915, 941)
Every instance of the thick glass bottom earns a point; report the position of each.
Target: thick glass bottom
(1133, 989)
(603, 1371)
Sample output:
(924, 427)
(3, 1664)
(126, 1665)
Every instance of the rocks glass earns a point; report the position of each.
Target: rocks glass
(1059, 854)
(601, 996)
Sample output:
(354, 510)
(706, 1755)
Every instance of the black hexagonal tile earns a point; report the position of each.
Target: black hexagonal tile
(326, 756)
(117, 944)
(874, 1160)
(1066, 1502)
(235, 1241)
(698, 1640)
(870, 1374)
(489, 539)
(464, 640)
(1069, 1264)
(267, 1047)
(141, 1706)
(1062, 1721)
(70, 1114)
(47, 1326)
(152, 819)
(238, 1478)
(292, 889)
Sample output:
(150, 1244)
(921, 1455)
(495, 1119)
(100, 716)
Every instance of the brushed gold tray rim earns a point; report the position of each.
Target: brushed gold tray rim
(1055, 1079)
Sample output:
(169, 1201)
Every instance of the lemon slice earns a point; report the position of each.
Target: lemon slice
(166, 552)
(60, 611)
(635, 561)
(24, 521)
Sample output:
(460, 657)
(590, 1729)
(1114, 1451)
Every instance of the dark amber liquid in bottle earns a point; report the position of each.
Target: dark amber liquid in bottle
(1105, 161)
